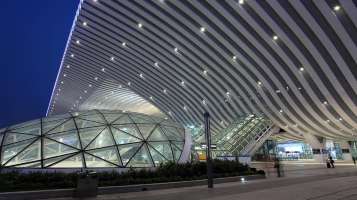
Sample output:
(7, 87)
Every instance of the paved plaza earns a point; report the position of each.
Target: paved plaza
(313, 183)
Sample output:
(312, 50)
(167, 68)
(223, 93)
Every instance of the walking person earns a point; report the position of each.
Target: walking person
(332, 162)
(354, 160)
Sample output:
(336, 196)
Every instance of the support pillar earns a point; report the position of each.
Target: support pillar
(317, 146)
(208, 150)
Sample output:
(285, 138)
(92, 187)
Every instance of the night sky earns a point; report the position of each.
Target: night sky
(33, 38)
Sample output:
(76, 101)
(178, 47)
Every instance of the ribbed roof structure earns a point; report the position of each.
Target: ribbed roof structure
(294, 61)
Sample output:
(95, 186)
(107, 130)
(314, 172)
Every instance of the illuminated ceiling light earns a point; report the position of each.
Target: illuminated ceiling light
(96, 78)
(336, 8)
(302, 69)
(259, 83)
(59, 89)
(165, 91)
(140, 25)
(95, 1)
(84, 23)
(280, 111)
(78, 42)
(182, 83)
(241, 2)
(227, 93)
(141, 75)
(185, 108)
(80, 97)
(204, 102)
(112, 58)
(72, 55)
(202, 29)
(57, 94)
(68, 66)
(340, 119)
(234, 58)
(277, 91)
(123, 44)
(275, 37)
(299, 88)
(327, 121)
(112, 92)
(205, 72)
(103, 69)
(156, 64)
(325, 103)
(85, 91)
(64, 75)
(152, 98)
(176, 50)
(62, 82)
(90, 85)
(129, 83)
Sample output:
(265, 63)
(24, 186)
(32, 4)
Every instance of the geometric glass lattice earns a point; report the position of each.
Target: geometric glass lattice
(92, 139)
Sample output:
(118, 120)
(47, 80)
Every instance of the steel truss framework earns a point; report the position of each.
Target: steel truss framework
(92, 139)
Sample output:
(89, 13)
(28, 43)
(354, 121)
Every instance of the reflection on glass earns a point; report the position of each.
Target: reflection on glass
(92, 139)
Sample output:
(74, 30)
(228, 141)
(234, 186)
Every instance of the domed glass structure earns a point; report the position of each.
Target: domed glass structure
(92, 139)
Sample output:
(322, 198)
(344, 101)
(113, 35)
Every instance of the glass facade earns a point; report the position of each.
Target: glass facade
(92, 139)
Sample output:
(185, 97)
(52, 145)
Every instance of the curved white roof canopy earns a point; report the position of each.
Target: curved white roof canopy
(294, 61)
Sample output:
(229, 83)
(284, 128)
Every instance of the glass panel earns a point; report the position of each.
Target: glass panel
(28, 123)
(30, 165)
(127, 151)
(130, 129)
(123, 138)
(95, 118)
(16, 137)
(146, 129)
(72, 162)
(96, 162)
(11, 150)
(124, 119)
(140, 119)
(164, 148)
(169, 123)
(111, 117)
(157, 135)
(31, 153)
(172, 133)
(52, 148)
(177, 152)
(86, 124)
(156, 156)
(110, 154)
(34, 129)
(88, 134)
(69, 137)
(103, 140)
(157, 119)
(47, 126)
(141, 159)
(68, 125)
(50, 161)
